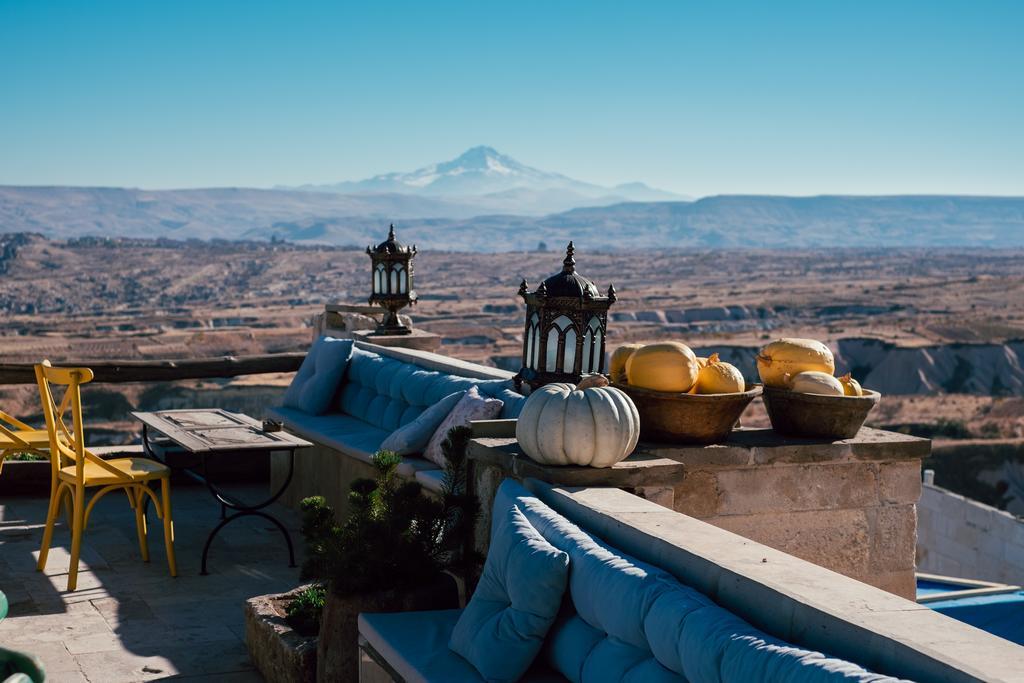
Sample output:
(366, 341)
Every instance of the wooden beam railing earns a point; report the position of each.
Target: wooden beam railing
(119, 371)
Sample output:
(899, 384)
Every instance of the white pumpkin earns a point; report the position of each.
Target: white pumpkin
(592, 424)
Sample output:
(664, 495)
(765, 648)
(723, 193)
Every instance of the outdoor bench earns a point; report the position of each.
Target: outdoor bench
(380, 390)
(621, 619)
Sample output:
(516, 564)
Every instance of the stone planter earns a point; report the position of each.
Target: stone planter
(280, 653)
(25, 477)
(337, 655)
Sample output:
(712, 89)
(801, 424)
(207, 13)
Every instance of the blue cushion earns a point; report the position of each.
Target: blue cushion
(413, 437)
(503, 627)
(340, 432)
(414, 644)
(389, 393)
(628, 620)
(318, 377)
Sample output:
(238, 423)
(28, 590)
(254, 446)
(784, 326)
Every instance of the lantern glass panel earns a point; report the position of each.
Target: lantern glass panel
(569, 356)
(535, 337)
(403, 279)
(529, 347)
(378, 279)
(594, 329)
(588, 344)
(551, 358)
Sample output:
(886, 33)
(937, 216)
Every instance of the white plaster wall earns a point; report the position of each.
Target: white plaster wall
(960, 537)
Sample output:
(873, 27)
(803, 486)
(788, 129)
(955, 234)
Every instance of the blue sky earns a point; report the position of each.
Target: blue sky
(696, 97)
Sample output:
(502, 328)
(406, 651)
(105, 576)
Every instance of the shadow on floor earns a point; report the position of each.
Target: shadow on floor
(129, 620)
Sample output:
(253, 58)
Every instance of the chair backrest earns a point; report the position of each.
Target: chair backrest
(11, 435)
(67, 445)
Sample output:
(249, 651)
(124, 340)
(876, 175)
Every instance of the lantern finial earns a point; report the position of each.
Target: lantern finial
(569, 264)
(391, 233)
(611, 293)
(523, 288)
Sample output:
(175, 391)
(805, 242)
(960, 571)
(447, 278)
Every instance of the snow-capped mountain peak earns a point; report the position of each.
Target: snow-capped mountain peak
(496, 182)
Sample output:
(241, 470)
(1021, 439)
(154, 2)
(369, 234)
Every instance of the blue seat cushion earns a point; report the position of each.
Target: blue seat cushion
(319, 376)
(414, 436)
(517, 599)
(625, 616)
(334, 430)
(414, 644)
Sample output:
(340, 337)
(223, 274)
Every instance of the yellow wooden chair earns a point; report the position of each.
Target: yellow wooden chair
(18, 437)
(87, 470)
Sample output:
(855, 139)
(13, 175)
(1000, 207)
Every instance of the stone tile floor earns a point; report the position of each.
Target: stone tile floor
(129, 620)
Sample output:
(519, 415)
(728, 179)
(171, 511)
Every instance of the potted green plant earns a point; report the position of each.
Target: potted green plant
(399, 550)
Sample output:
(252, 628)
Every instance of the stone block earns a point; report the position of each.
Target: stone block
(1014, 556)
(789, 488)
(662, 495)
(697, 495)
(280, 653)
(899, 482)
(902, 583)
(839, 540)
(893, 538)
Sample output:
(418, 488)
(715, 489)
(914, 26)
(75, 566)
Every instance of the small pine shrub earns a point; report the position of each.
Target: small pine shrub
(396, 536)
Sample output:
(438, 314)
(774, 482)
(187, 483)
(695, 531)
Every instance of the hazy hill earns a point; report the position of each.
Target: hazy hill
(446, 223)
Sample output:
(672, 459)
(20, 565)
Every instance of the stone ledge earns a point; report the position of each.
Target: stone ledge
(750, 447)
(637, 471)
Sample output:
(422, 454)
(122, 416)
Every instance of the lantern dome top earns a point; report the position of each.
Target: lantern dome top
(568, 282)
(391, 245)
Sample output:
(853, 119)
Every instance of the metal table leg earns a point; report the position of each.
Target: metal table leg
(228, 501)
(246, 510)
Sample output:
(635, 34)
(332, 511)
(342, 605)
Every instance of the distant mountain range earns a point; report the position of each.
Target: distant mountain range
(492, 182)
(486, 201)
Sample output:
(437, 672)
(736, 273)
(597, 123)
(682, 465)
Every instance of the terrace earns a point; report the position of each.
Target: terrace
(811, 541)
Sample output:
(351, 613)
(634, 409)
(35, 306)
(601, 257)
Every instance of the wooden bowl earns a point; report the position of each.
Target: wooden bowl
(688, 418)
(817, 415)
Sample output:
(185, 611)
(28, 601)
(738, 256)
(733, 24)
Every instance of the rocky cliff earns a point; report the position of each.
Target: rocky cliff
(987, 369)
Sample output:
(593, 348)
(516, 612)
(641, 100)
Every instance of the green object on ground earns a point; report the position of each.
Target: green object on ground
(17, 667)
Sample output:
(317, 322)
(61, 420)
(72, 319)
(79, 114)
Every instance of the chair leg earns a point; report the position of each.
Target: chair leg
(136, 494)
(76, 535)
(51, 518)
(69, 513)
(165, 501)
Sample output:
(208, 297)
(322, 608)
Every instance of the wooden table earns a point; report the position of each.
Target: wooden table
(185, 439)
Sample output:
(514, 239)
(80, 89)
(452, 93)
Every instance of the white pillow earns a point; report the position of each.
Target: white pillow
(470, 407)
(414, 437)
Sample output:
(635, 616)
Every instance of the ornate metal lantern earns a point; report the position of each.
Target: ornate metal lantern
(392, 282)
(566, 327)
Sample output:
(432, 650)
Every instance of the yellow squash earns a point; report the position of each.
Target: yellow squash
(666, 366)
(851, 387)
(791, 357)
(617, 371)
(812, 382)
(718, 377)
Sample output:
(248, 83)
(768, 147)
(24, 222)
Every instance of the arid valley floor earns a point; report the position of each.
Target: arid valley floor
(929, 328)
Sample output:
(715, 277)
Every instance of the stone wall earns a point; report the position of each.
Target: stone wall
(855, 518)
(960, 537)
(849, 506)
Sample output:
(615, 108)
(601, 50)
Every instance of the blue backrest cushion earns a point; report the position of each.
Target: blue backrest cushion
(626, 620)
(413, 437)
(317, 379)
(502, 629)
(389, 393)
